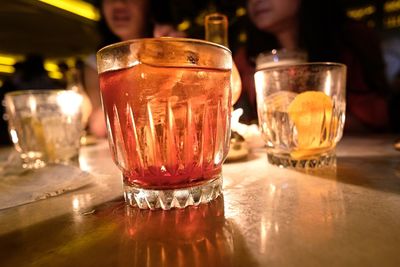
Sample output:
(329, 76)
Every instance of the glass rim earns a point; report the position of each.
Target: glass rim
(34, 92)
(328, 63)
(162, 39)
(216, 16)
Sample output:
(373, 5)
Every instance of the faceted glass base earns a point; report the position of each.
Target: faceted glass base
(319, 161)
(173, 198)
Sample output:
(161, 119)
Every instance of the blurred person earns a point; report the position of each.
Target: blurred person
(395, 102)
(391, 52)
(164, 20)
(322, 29)
(121, 20)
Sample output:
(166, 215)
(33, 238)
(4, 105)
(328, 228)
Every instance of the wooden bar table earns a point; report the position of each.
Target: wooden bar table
(268, 216)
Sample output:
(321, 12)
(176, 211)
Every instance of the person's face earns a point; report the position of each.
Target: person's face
(126, 18)
(271, 15)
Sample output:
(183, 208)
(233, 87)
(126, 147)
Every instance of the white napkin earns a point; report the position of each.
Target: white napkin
(19, 186)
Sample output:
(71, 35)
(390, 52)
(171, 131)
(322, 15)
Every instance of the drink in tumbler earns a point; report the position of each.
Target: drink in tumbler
(45, 125)
(301, 111)
(167, 110)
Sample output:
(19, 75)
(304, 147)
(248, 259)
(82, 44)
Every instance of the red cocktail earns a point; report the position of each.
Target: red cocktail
(167, 107)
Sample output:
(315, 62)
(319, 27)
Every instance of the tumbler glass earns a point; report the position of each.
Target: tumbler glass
(301, 111)
(167, 103)
(45, 125)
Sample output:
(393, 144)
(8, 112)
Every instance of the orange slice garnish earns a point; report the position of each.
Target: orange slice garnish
(311, 113)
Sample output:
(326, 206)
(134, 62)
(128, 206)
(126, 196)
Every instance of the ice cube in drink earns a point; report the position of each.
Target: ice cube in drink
(168, 126)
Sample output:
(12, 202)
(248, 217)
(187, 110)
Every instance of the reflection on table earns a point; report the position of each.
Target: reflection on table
(348, 216)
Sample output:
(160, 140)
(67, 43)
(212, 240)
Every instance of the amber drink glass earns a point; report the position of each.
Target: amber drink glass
(301, 111)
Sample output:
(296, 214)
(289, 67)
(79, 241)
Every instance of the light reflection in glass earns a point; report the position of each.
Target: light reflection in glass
(32, 104)
(269, 225)
(80, 202)
(84, 165)
(75, 204)
(14, 136)
(328, 83)
(70, 102)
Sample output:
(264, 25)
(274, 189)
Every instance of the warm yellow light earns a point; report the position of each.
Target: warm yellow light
(50, 66)
(392, 6)
(70, 62)
(241, 11)
(200, 18)
(77, 7)
(242, 37)
(359, 13)
(7, 69)
(183, 26)
(55, 75)
(392, 21)
(7, 60)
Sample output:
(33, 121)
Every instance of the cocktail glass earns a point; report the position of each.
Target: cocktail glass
(301, 111)
(167, 103)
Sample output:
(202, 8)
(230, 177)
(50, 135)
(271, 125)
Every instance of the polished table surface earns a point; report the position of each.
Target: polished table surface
(268, 216)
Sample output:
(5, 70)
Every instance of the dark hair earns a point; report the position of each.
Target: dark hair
(108, 37)
(320, 28)
(32, 67)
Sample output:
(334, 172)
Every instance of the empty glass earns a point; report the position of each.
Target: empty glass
(301, 111)
(45, 125)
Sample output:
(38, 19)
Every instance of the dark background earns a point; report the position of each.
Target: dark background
(30, 26)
